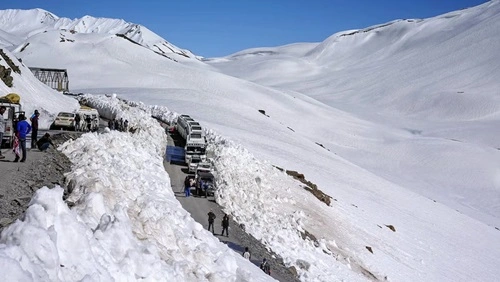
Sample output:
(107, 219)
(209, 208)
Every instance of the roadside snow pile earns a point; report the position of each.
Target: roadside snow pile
(264, 199)
(126, 224)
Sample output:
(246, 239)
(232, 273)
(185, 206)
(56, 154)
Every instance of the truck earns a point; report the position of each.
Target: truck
(182, 126)
(10, 115)
(192, 132)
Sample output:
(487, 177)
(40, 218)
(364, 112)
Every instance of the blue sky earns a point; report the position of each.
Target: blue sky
(212, 28)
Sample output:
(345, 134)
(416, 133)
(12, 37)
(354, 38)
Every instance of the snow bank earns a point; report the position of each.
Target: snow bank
(252, 191)
(263, 199)
(126, 223)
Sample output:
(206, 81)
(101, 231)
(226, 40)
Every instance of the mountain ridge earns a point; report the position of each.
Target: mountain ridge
(22, 24)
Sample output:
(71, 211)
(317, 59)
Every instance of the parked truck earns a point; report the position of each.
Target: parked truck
(13, 109)
(192, 132)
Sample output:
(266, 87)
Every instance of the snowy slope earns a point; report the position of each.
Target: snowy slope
(378, 169)
(434, 78)
(26, 23)
(438, 68)
(34, 94)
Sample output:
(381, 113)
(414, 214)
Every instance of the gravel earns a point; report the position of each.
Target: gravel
(18, 181)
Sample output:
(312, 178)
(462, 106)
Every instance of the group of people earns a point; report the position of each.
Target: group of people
(21, 130)
(120, 125)
(224, 223)
(201, 188)
(87, 124)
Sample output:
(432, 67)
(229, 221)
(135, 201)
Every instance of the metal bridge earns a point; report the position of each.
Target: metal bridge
(55, 78)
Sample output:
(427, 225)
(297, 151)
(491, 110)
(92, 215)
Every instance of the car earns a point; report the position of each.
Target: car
(203, 167)
(65, 120)
(205, 184)
(193, 163)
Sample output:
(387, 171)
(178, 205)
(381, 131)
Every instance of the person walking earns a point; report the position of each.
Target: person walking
(247, 254)
(225, 225)
(211, 218)
(2, 129)
(34, 128)
(265, 267)
(23, 129)
(44, 142)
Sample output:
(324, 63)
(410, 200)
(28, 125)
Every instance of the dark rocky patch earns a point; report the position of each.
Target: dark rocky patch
(391, 227)
(369, 249)
(322, 146)
(309, 186)
(263, 112)
(24, 47)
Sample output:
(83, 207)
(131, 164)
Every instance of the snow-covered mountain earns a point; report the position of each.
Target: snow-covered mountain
(397, 123)
(441, 68)
(18, 25)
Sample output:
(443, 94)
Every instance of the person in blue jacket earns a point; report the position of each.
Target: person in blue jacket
(23, 129)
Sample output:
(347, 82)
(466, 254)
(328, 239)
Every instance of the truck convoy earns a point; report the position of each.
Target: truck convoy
(195, 154)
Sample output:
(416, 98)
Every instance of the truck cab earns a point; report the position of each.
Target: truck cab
(10, 115)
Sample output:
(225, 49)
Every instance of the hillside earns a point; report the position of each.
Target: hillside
(346, 113)
(441, 68)
(434, 78)
(33, 93)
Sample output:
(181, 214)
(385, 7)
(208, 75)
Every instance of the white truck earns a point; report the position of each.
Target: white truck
(192, 132)
(182, 126)
(12, 111)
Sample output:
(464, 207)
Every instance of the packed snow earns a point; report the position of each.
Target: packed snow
(395, 142)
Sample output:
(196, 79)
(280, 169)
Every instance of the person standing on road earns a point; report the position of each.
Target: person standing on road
(15, 147)
(78, 119)
(247, 254)
(117, 124)
(2, 129)
(34, 128)
(88, 119)
(225, 225)
(265, 267)
(23, 129)
(211, 218)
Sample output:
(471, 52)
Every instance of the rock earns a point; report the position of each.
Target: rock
(369, 249)
(303, 264)
(391, 227)
(5, 221)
